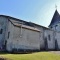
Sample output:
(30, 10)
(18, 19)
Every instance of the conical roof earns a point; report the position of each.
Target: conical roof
(56, 18)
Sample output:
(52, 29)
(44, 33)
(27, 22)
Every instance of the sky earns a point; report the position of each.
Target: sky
(36, 11)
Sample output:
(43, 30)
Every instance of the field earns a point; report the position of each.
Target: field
(32, 56)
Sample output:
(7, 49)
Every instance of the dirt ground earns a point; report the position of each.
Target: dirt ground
(2, 58)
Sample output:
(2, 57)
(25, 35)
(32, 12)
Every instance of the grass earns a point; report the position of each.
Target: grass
(33, 56)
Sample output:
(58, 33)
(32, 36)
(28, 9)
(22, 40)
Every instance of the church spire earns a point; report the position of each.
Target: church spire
(56, 17)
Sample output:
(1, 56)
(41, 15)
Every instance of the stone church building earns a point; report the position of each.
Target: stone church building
(20, 35)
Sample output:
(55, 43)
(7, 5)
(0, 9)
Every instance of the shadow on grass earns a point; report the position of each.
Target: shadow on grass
(22, 52)
(2, 52)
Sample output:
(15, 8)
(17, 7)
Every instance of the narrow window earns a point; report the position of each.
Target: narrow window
(1, 30)
(49, 37)
(51, 27)
(8, 34)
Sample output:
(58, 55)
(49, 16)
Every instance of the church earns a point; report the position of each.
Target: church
(22, 36)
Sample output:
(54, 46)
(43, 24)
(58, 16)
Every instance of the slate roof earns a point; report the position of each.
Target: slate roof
(24, 22)
(56, 18)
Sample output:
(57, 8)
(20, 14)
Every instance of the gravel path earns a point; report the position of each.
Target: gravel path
(57, 52)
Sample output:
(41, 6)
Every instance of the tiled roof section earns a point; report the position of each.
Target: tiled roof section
(56, 18)
(15, 23)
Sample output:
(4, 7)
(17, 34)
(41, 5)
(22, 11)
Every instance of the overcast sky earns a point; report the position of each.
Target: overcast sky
(37, 11)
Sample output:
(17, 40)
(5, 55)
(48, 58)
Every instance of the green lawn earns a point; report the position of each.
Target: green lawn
(33, 56)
